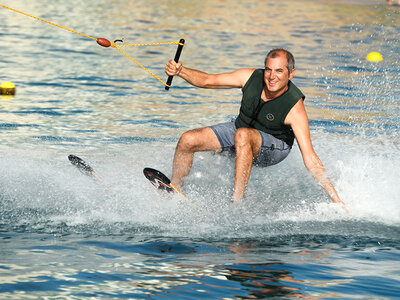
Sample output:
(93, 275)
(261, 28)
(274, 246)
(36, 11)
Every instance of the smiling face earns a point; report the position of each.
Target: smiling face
(277, 75)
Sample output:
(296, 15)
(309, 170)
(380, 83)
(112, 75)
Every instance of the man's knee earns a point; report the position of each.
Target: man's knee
(248, 138)
(242, 137)
(188, 141)
(201, 139)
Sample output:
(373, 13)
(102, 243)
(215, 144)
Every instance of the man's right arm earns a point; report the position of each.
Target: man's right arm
(235, 79)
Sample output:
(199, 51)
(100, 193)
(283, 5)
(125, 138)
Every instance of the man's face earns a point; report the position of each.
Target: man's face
(277, 75)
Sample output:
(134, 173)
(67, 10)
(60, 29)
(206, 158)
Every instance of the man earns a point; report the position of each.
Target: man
(272, 113)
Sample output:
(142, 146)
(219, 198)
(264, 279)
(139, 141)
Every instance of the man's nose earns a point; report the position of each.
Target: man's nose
(271, 74)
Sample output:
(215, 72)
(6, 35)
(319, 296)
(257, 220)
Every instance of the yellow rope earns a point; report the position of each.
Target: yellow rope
(151, 44)
(140, 65)
(112, 44)
(47, 22)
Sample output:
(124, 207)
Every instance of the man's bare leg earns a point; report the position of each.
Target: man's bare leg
(247, 144)
(202, 139)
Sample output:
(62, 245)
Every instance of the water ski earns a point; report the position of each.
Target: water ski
(81, 165)
(84, 167)
(159, 180)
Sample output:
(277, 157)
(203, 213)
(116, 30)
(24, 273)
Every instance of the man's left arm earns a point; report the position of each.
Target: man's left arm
(298, 120)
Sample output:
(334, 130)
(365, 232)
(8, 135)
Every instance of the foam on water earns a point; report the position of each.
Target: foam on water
(47, 193)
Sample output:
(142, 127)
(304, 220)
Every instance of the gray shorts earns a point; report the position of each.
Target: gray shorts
(272, 149)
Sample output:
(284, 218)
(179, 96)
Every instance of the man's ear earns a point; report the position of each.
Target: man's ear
(292, 74)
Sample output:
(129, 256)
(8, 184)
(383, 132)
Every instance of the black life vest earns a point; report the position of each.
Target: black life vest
(267, 116)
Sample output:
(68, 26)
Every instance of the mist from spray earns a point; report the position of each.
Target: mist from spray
(54, 197)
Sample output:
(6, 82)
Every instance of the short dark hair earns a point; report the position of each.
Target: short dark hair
(289, 57)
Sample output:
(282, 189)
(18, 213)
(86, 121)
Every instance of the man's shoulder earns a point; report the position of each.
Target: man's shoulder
(248, 73)
(248, 70)
(295, 92)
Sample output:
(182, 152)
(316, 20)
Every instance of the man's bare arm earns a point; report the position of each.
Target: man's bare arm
(235, 79)
(298, 120)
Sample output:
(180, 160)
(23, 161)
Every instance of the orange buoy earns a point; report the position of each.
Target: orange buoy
(103, 42)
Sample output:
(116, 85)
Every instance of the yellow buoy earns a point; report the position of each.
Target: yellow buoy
(7, 88)
(374, 56)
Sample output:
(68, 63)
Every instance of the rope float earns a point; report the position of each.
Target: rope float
(106, 43)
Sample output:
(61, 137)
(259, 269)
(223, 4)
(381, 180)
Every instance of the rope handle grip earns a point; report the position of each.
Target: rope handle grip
(176, 59)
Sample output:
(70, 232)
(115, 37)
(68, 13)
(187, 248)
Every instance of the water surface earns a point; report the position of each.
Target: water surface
(65, 235)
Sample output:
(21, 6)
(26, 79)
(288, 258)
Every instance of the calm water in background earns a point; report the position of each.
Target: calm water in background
(64, 235)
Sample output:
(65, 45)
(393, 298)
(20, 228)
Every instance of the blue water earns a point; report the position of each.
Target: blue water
(66, 236)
